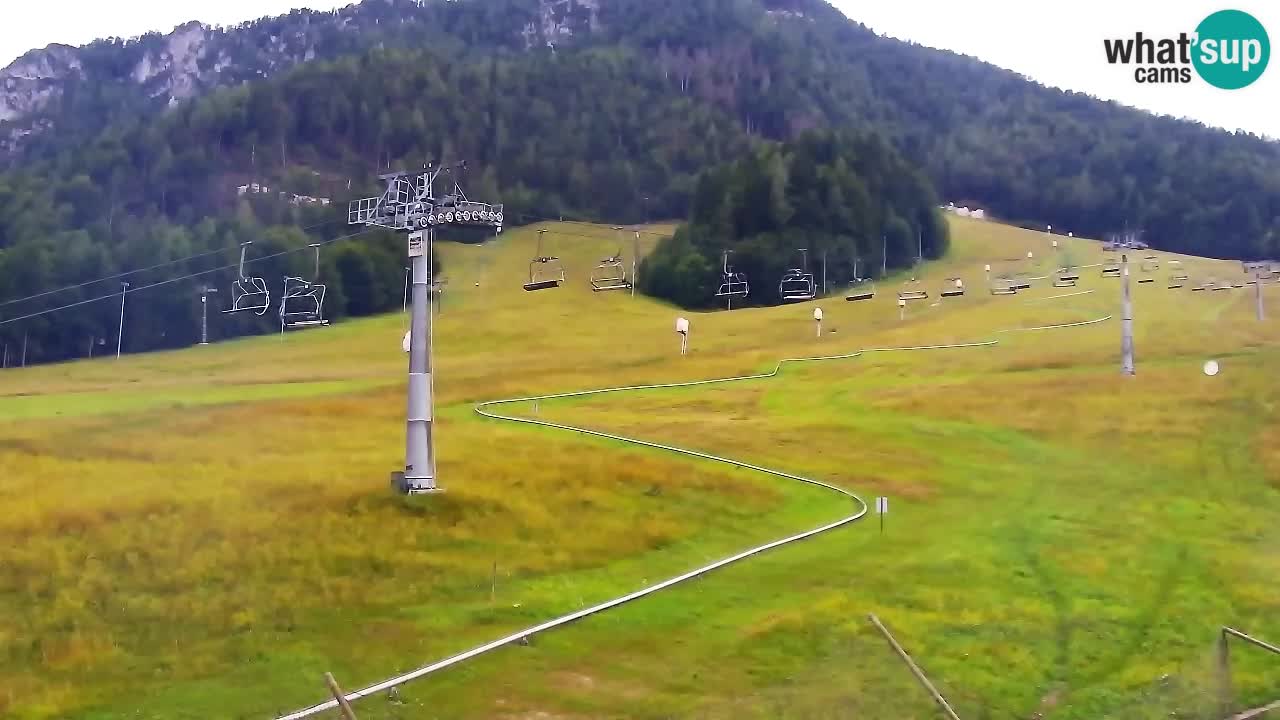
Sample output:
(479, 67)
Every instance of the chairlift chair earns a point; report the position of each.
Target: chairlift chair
(913, 294)
(1150, 263)
(797, 284)
(732, 284)
(248, 294)
(861, 290)
(302, 303)
(1003, 286)
(954, 287)
(545, 272)
(1111, 268)
(610, 275)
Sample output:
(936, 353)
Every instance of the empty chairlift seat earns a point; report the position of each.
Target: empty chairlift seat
(732, 284)
(1003, 286)
(913, 293)
(302, 301)
(797, 284)
(953, 287)
(545, 271)
(248, 294)
(610, 275)
(861, 290)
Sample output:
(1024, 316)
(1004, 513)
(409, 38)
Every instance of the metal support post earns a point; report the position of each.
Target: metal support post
(124, 291)
(1126, 320)
(420, 470)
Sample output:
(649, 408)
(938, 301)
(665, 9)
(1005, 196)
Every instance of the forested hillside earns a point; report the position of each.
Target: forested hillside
(850, 202)
(602, 109)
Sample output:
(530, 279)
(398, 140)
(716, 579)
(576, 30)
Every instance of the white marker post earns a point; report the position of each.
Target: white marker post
(882, 509)
(902, 309)
(682, 327)
(817, 315)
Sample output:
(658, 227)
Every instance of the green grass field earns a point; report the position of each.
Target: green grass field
(204, 533)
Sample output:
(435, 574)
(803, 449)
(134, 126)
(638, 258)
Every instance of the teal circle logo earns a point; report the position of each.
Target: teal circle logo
(1232, 49)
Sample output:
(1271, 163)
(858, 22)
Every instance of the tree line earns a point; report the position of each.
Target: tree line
(616, 121)
(848, 202)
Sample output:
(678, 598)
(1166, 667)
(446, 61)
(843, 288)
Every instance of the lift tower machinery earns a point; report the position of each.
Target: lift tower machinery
(411, 205)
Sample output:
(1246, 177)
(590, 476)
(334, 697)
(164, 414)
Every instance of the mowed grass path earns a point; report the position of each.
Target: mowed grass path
(203, 533)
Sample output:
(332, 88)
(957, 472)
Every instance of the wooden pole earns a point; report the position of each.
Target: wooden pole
(343, 705)
(1224, 673)
(915, 669)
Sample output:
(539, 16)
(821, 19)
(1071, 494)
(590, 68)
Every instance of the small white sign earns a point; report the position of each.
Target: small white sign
(417, 248)
(1211, 368)
(682, 326)
(817, 314)
(882, 506)
(988, 268)
(405, 343)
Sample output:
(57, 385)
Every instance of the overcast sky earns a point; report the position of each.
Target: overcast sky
(1059, 44)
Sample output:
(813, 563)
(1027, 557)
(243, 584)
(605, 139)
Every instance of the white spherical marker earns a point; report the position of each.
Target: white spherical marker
(1211, 368)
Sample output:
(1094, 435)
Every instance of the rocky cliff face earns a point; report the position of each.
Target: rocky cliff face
(157, 71)
(31, 81)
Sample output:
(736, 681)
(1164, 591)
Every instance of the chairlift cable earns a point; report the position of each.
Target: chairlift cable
(135, 271)
(180, 278)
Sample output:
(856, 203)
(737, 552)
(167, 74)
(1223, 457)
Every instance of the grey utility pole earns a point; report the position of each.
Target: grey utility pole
(204, 313)
(124, 291)
(635, 263)
(1126, 320)
(420, 459)
(1257, 290)
(409, 205)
